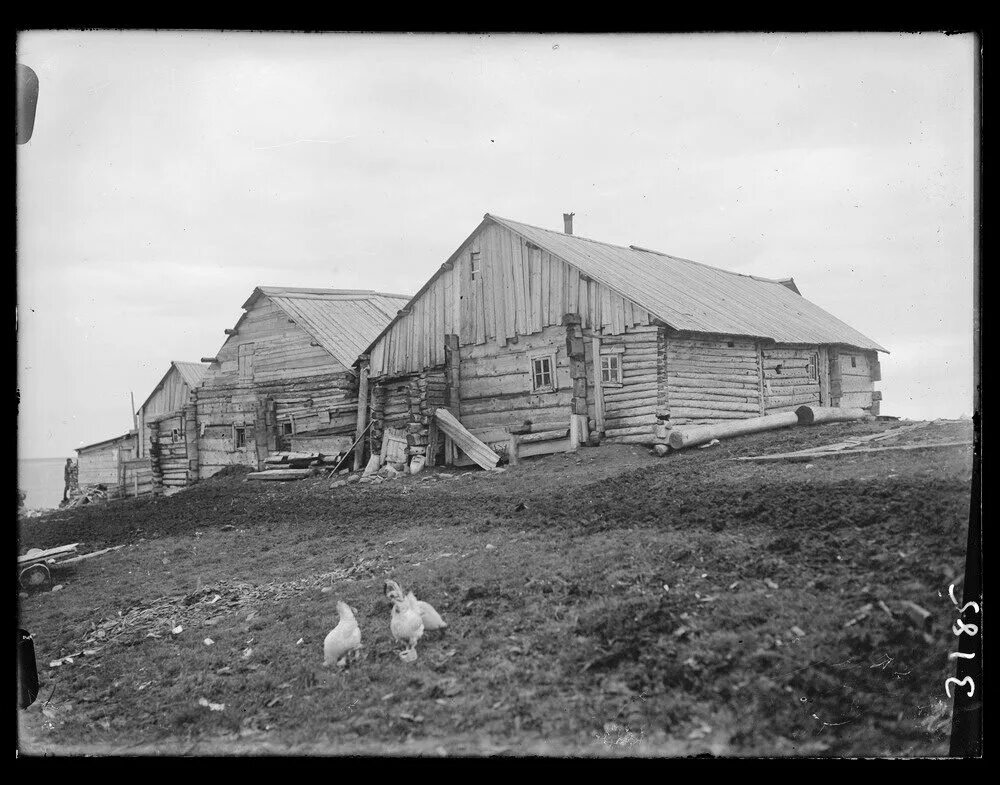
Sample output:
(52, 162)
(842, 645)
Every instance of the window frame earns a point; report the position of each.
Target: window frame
(239, 437)
(813, 367)
(550, 358)
(475, 264)
(610, 382)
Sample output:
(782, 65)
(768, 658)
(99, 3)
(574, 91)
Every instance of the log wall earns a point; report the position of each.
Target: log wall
(791, 377)
(710, 379)
(407, 403)
(630, 408)
(495, 383)
(169, 461)
(171, 395)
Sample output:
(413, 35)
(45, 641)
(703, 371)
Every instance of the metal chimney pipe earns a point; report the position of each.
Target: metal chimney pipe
(568, 222)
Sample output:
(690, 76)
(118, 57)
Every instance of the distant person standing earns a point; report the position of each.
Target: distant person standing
(67, 478)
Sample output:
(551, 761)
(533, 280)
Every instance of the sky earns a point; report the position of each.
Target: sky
(169, 173)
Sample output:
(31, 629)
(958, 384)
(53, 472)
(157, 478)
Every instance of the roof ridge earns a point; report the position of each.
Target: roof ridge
(359, 293)
(634, 248)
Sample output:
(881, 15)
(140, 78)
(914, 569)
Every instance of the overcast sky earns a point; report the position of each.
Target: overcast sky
(171, 173)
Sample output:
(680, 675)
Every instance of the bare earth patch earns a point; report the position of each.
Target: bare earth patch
(629, 605)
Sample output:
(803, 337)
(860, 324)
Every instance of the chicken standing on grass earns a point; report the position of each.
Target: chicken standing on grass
(405, 624)
(342, 639)
(431, 618)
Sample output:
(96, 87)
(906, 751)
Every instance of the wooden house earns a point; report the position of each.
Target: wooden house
(526, 329)
(285, 373)
(166, 419)
(102, 463)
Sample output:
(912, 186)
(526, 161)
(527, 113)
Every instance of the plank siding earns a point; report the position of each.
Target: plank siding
(520, 291)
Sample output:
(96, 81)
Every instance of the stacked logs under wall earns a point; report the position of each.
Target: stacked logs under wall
(408, 403)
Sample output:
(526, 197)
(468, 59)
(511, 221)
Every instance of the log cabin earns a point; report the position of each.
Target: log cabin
(167, 437)
(285, 372)
(524, 329)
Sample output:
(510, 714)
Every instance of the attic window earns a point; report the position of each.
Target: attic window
(542, 374)
(474, 262)
(854, 361)
(239, 437)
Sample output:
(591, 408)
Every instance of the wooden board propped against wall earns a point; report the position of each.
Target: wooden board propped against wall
(469, 444)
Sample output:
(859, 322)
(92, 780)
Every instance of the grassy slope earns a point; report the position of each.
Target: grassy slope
(562, 637)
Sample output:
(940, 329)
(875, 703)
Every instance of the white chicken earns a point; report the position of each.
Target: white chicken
(405, 624)
(342, 639)
(431, 618)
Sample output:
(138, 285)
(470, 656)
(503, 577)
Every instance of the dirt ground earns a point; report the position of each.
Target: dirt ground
(607, 602)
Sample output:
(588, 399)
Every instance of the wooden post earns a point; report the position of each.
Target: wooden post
(364, 370)
(598, 386)
(760, 377)
(453, 372)
(191, 440)
(512, 450)
(432, 442)
(260, 432)
(824, 376)
(574, 431)
(577, 362)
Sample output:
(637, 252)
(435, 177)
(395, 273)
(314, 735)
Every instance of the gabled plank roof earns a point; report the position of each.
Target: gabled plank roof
(695, 297)
(683, 294)
(343, 321)
(191, 373)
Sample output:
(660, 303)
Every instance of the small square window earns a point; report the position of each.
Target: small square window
(542, 373)
(611, 369)
(287, 429)
(239, 437)
(474, 263)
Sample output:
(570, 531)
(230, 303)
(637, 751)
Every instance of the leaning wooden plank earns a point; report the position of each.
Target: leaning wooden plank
(469, 444)
(813, 414)
(688, 437)
(809, 456)
(280, 474)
